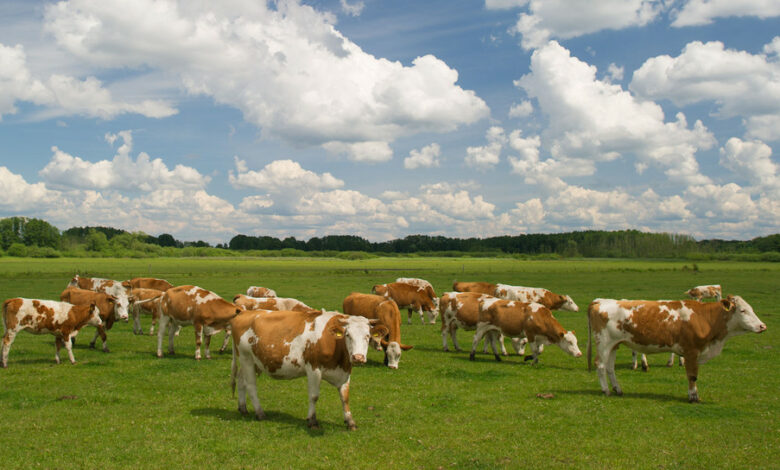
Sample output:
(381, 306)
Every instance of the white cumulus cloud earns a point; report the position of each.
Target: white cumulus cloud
(699, 12)
(426, 157)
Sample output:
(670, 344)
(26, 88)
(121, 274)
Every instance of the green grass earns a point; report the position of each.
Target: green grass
(128, 409)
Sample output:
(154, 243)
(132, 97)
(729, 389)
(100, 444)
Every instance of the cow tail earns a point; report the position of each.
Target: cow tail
(233, 370)
(590, 340)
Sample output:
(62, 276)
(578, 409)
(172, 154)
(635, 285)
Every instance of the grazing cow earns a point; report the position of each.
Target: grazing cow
(270, 303)
(107, 286)
(411, 294)
(535, 321)
(107, 304)
(61, 319)
(695, 330)
(147, 283)
(461, 310)
(191, 305)
(287, 344)
(257, 291)
(146, 301)
(705, 292)
(482, 287)
(539, 295)
(386, 311)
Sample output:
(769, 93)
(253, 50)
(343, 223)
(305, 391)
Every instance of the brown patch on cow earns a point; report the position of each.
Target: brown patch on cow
(480, 287)
(10, 308)
(330, 352)
(376, 307)
(410, 296)
(148, 283)
(274, 331)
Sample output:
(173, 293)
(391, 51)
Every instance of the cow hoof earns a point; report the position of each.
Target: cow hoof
(312, 423)
(528, 358)
(618, 392)
(351, 426)
(243, 410)
(645, 368)
(498, 358)
(694, 400)
(159, 355)
(91, 345)
(471, 356)
(105, 350)
(260, 416)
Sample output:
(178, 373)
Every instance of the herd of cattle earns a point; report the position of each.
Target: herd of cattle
(286, 338)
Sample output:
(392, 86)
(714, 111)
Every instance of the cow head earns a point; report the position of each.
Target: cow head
(568, 342)
(74, 282)
(743, 319)
(379, 289)
(94, 315)
(568, 304)
(122, 303)
(393, 353)
(355, 331)
(114, 303)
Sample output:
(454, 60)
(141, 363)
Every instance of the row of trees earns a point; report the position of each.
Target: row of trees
(21, 236)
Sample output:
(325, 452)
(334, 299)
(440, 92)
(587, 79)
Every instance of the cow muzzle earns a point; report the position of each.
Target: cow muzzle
(761, 328)
(358, 358)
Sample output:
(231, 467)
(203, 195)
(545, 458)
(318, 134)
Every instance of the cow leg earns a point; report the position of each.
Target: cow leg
(645, 365)
(136, 311)
(611, 371)
(500, 338)
(681, 360)
(314, 377)
(225, 341)
(444, 330)
(344, 394)
(634, 362)
(8, 339)
(69, 348)
(247, 384)
(481, 330)
(172, 328)
(198, 339)
(160, 333)
(454, 336)
(100, 331)
(602, 359)
(692, 371)
(409, 315)
(155, 319)
(422, 315)
(207, 343)
(58, 343)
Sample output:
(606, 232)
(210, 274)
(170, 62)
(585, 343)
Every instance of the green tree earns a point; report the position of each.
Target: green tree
(96, 241)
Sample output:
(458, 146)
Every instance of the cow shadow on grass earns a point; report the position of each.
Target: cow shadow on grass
(657, 397)
(275, 417)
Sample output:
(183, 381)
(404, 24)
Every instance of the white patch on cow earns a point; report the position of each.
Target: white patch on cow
(202, 299)
(487, 303)
(421, 284)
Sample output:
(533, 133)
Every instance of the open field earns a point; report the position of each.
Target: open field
(128, 409)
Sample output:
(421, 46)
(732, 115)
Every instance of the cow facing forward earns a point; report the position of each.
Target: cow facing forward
(386, 311)
(535, 321)
(695, 330)
(191, 305)
(107, 286)
(61, 319)
(287, 344)
(107, 304)
(412, 294)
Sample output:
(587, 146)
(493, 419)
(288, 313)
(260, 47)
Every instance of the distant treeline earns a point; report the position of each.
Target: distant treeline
(21, 236)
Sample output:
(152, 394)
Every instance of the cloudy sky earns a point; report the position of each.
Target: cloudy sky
(384, 118)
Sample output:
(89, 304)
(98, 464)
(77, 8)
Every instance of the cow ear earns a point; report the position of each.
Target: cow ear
(379, 331)
(406, 347)
(337, 331)
(728, 303)
(561, 334)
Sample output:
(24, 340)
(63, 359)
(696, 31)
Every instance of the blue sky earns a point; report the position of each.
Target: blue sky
(389, 118)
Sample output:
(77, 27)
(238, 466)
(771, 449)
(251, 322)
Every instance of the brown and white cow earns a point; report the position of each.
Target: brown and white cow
(270, 303)
(534, 320)
(482, 287)
(107, 286)
(107, 304)
(461, 310)
(386, 311)
(191, 305)
(61, 319)
(287, 344)
(147, 283)
(147, 302)
(705, 292)
(695, 330)
(257, 291)
(539, 295)
(412, 294)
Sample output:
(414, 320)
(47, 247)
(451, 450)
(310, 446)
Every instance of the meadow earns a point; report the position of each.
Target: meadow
(128, 409)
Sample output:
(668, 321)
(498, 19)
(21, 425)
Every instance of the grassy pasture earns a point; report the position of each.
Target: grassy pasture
(128, 409)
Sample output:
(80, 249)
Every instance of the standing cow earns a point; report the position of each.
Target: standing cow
(107, 286)
(539, 295)
(286, 345)
(191, 305)
(107, 304)
(61, 319)
(386, 311)
(461, 310)
(695, 330)
(412, 294)
(146, 301)
(535, 321)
